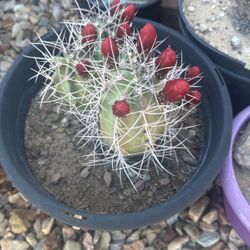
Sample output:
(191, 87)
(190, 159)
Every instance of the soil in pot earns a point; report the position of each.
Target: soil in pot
(242, 161)
(57, 164)
(222, 24)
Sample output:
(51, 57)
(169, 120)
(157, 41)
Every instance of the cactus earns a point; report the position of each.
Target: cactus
(131, 99)
(241, 15)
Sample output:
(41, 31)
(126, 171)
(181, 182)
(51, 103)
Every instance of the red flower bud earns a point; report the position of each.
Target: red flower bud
(128, 13)
(175, 90)
(83, 67)
(115, 7)
(109, 48)
(147, 37)
(89, 33)
(194, 96)
(166, 60)
(120, 108)
(193, 72)
(124, 30)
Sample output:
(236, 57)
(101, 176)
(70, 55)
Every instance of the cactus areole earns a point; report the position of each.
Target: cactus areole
(128, 95)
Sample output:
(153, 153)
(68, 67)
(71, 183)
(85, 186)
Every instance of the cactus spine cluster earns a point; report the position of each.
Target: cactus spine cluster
(130, 98)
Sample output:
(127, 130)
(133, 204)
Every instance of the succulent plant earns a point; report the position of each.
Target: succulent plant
(130, 98)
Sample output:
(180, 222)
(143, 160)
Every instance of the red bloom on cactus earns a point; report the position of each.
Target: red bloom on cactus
(147, 37)
(115, 7)
(194, 96)
(128, 13)
(110, 48)
(166, 60)
(120, 108)
(175, 90)
(83, 67)
(124, 30)
(89, 33)
(193, 71)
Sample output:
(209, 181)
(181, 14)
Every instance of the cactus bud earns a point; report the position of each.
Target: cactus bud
(109, 48)
(194, 96)
(175, 90)
(147, 37)
(124, 30)
(89, 33)
(128, 13)
(193, 72)
(120, 108)
(115, 7)
(166, 60)
(83, 67)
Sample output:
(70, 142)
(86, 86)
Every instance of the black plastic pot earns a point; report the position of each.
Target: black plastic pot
(16, 93)
(149, 10)
(237, 77)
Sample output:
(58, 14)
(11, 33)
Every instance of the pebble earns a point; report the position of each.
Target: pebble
(151, 238)
(235, 238)
(136, 245)
(47, 225)
(9, 244)
(2, 217)
(189, 159)
(105, 240)
(196, 210)
(18, 200)
(236, 42)
(219, 246)
(85, 172)
(107, 178)
(68, 233)
(178, 243)
(3, 227)
(133, 237)
(207, 239)
(208, 227)
(87, 241)
(210, 217)
(31, 239)
(17, 224)
(97, 236)
(72, 245)
(192, 231)
(172, 219)
(118, 236)
(191, 8)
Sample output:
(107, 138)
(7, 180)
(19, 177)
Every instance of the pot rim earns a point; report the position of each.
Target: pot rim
(143, 217)
(230, 186)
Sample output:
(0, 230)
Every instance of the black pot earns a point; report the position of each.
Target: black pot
(149, 10)
(16, 93)
(237, 77)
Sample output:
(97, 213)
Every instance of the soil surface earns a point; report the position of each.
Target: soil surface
(222, 24)
(57, 164)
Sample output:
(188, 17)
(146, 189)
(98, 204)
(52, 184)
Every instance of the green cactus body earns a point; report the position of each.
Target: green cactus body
(145, 122)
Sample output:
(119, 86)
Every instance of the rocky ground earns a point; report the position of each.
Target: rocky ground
(22, 226)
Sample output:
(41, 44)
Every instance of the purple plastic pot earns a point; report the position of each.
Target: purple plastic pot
(237, 207)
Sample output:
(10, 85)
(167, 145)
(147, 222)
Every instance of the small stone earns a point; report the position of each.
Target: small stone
(87, 241)
(168, 235)
(151, 238)
(210, 217)
(47, 225)
(18, 200)
(178, 243)
(42, 31)
(16, 29)
(236, 43)
(192, 231)
(224, 233)
(37, 226)
(231, 246)
(72, 245)
(191, 8)
(65, 122)
(219, 246)
(235, 238)
(196, 210)
(208, 227)
(31, 239)
(118, 236)
(9, 244)
(165, 181)
(85, 172)
(188, 158)
(107, 178)
(207, 239)
(222, 217)
(133, 237)
(1, 217)
(105, 240)
(17, 224)
(115, 246)
(57, 12)
(172, 220)
(136, 245)
(97, 236)
(68, 233)
(3, 227)
(55, 178)
(40, 245)
(203, 28)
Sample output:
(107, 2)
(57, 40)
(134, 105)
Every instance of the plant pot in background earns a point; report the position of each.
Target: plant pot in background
(16, 93)
(237, 207)
(149, 9)
(237, 77)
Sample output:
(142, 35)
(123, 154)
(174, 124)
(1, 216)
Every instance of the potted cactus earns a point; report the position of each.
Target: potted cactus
(134, 99)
